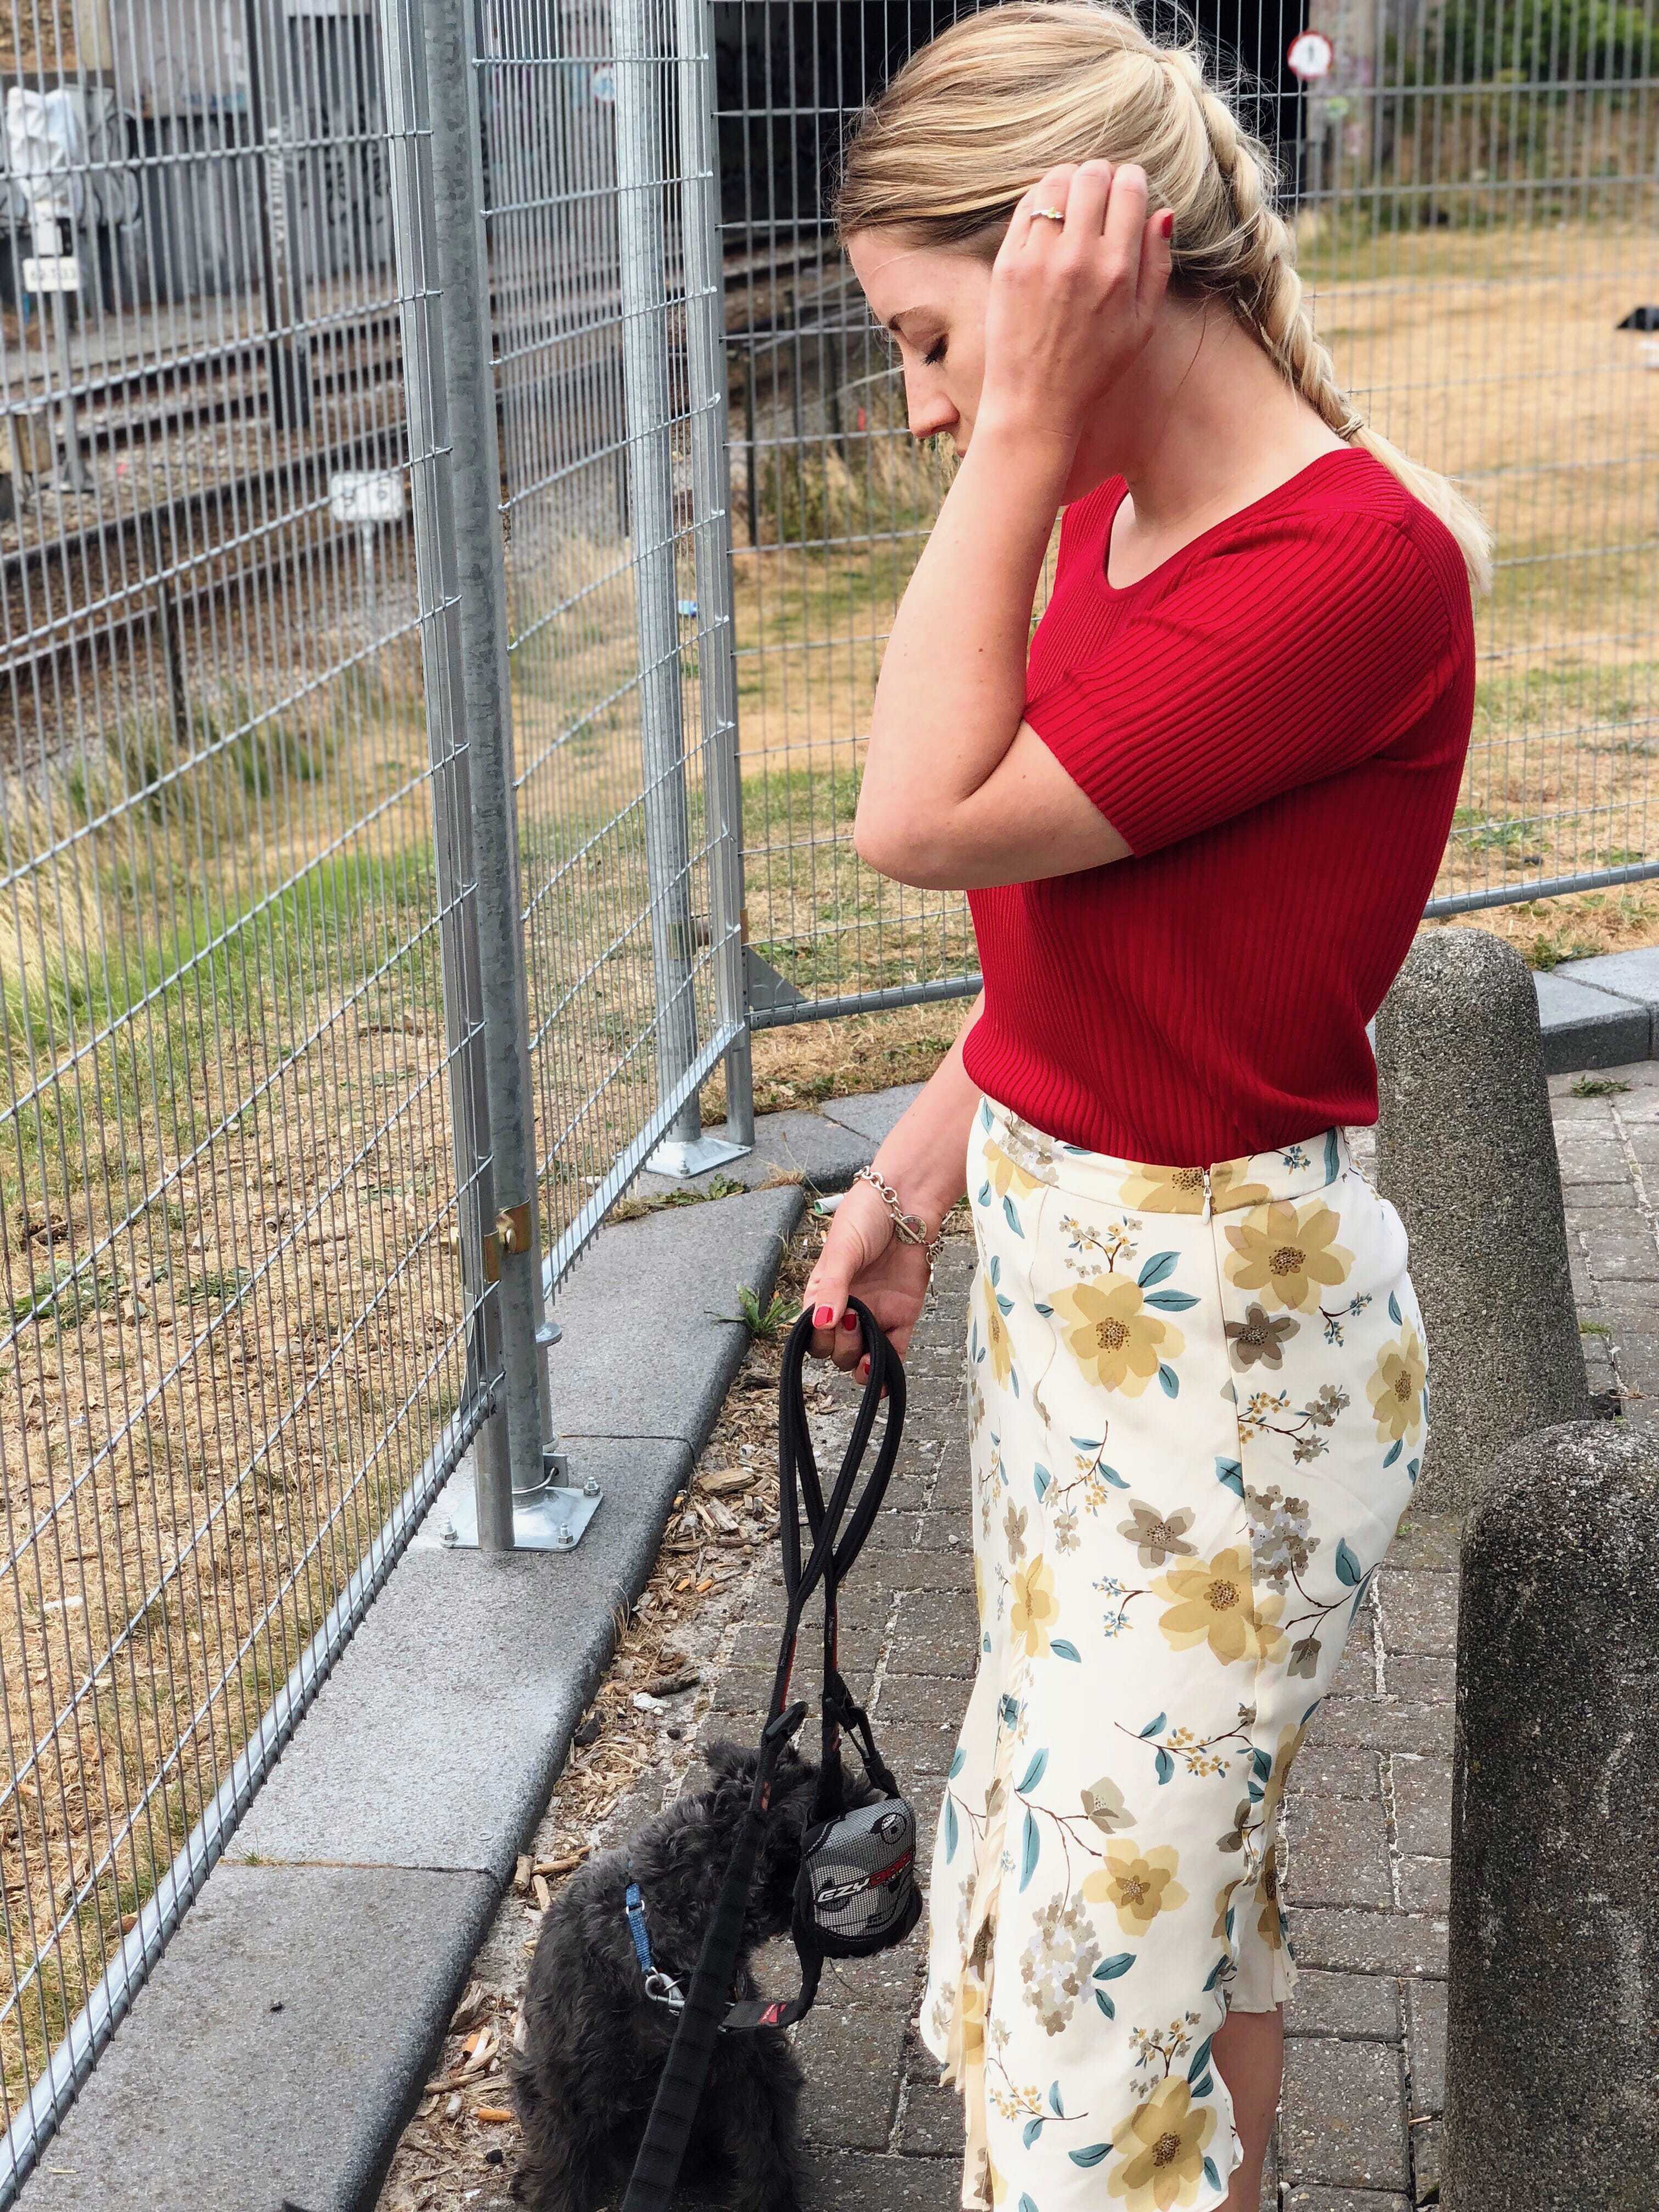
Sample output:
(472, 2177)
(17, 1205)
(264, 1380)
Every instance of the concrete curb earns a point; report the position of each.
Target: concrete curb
(277, 2051)
(270, 2063)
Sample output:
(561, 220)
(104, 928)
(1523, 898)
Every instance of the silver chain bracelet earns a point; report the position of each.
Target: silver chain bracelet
(909, 1228)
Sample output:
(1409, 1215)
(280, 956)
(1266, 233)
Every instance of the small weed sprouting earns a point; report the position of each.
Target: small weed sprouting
(1599, 1086)
(767, 1322)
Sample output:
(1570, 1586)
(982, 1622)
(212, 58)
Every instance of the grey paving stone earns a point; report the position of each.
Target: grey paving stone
(1337, 1852)
(1342, 2119)
(1360, 2007)
(1422, 1679)
(921, 1751)
(434, 1741)
(947, 1617)
(1419, 1613)
(1425, 2045)
(285, 2023)
(1421, 1790)
(1584, 1027)
(1344, 2200)
(1348, 1941)
(1423, 1884)
(1384, 1723)
(951, 1570)
(1427, 1542)
(1633, 976)
(1356, 1672)
(1336, 1770)
(919, 1654)
(618, 1372)
(851, 2063)
(1427, 2144)
(932, 2123)
(875, 1115)
(1624, 1255)
(928, 1700)
(851, 2181)
(825, 1152)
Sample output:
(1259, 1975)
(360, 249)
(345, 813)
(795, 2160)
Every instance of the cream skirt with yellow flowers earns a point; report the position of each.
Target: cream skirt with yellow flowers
(1197, 1411)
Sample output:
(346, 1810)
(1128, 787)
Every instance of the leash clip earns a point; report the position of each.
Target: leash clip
(664, 1989)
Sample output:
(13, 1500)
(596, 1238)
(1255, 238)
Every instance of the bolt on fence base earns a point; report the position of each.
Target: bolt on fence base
(694, 1156)
(551, 1519)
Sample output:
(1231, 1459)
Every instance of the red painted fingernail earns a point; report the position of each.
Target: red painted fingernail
(1166, 222)
(849, 1321)
(823, 1315)
(864, 1370)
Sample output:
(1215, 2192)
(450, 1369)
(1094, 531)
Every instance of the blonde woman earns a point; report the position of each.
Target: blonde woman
(1198, 815)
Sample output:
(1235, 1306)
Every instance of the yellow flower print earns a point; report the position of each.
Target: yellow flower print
(1212, 1602)
(1113, 1335)
(972, 2002)
(1035, 1608)
(1163, 1190)
(998, 1342)
(1270, 1925)
(1287, 1253)
(1160, 2149)
(1138, 1884)
(1396, 1388)
(1005, 1174)
(1230, 1185)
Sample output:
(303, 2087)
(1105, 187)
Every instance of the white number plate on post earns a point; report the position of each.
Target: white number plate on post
(362, 495)
(50, 272)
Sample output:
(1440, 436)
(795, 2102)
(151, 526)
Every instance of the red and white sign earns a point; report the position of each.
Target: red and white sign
(1311, 56)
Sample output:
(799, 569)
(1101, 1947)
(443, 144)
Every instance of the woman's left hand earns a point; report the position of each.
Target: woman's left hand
(1072, 303)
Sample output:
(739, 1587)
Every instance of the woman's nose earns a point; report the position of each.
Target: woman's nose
(930, 415)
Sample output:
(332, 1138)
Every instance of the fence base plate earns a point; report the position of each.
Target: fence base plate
(551, 1519)
(676, 1156)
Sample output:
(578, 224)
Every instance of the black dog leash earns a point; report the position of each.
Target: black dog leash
(857, 1892)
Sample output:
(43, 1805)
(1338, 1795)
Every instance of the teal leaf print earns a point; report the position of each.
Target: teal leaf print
(1393, 1308)
(1091, 2154)
(1158, 1269)
(1209, 2173)
(1200, 2060)
(1112, 1476)
(985, 1641)
(1058, 2109)
(994, 1270)
(957, 1762)
(1004, 1304)
(1063, 1648)
(1394, 1452)
(1171, 1300)
(953, 1832)
(1230, 1475)
(984, 1113)
(1154, 1728)
(1034, 1772)
(985, 1194)
(1105, 2004)
(1008, 1712)
(1031, 2130)
(1165, 1764)
(1114, 1968)
(1263, 1764)
(1168, 1381)
(1048, 1312)
(1040, 1478)
(1333, 1161)
(1348, 1569)
(975, 1349)
(1411, 1466)
(1027, 2203)
(1012, 1218)
(1219, 1970)
(1088, 1444)
(1028, 1855)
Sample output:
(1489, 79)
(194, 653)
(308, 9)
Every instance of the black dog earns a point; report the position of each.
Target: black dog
(595, 2042)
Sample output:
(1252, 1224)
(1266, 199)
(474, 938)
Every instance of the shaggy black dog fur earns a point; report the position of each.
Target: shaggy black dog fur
(595, 2043)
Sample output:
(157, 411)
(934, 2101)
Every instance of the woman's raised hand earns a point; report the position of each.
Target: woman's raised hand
(1072, 303)
(861, 1256)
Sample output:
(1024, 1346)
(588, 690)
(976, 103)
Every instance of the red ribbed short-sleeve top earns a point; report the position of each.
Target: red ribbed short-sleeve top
(1276, 720)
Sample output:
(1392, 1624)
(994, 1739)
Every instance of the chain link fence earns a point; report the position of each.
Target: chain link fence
(380, 880)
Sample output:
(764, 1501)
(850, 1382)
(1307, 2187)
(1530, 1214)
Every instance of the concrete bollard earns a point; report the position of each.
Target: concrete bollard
(1552, 2039)
(1466, 1150)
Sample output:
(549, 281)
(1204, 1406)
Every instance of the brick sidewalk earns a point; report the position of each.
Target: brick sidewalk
(1369, 1819)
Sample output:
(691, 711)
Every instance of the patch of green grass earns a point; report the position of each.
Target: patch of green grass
(767, 1322)
(1598, 1086)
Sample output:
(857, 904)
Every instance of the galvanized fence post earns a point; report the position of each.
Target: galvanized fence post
(641, 190)
(717, 679)
(510, 1249)
(413, 225)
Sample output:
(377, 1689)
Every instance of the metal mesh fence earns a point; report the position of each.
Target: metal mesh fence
(234, 1338)
(1476, 189)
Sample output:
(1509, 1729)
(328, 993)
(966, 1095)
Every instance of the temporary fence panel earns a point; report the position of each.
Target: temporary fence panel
(601, 200)
(1474, 185)
(244, 1120)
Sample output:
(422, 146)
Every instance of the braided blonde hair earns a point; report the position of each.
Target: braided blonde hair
(972, 120)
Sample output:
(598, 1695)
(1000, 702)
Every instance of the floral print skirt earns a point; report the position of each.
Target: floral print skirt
(1197, 1408)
